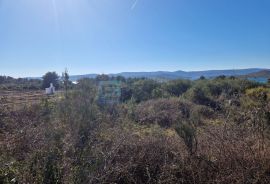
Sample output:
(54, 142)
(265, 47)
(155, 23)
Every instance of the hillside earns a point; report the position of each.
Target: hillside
(193, 75)
(260, 74)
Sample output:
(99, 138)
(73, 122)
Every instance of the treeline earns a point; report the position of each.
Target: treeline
(9, 83)
(152, 88)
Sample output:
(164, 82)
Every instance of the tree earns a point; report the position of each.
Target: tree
(50, 77)
(2, 79)
(202, 77)
(268, 81)
(102, 77)
(65, 78)
(126, 93)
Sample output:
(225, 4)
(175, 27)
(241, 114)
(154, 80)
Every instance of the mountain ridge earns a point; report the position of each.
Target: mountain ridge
(179, 74)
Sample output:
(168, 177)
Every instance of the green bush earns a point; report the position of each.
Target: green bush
(142, 90)
(177, 87)
(188, 133)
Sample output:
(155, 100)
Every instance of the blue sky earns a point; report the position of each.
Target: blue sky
(110, 36)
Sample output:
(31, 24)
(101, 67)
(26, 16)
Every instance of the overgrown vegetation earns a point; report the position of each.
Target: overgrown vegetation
(180, 131)
(9, 83)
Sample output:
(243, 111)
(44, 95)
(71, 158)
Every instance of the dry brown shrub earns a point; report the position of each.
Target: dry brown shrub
(142, 160)
(236, 154)
(164, 112)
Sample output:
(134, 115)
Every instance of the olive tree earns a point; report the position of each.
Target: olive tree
(50, 77)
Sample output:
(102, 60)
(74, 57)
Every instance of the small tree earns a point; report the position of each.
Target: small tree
(102, 77)
(202, 77)
(188, 133)
(50, 77)
(65, 78)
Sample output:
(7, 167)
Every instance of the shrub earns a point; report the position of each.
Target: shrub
(177, 87)
(142, 90)
(163, 112)
(259, 93)
(188, 133)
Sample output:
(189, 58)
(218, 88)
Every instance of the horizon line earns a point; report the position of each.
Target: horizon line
(172, 71)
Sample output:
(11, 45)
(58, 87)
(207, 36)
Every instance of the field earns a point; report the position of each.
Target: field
(20, 98)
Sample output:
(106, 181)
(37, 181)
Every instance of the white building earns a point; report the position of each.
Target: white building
(50, 90)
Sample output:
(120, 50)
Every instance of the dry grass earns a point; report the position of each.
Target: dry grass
(18, 99)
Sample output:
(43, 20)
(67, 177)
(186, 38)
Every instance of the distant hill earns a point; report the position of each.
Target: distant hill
(262, 73)
(77, 77)
(192, 75)
(260, 76)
